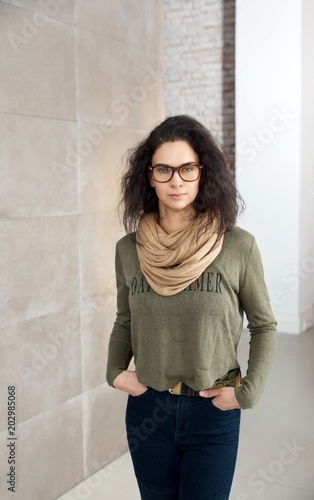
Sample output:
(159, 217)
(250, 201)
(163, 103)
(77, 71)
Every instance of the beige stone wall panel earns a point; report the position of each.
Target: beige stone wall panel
(82, 82)
(97, 317)
(118, 85)
(60, 10)
(96, 255)
(123, 20)
(38, 61)
(46, 368)
(102, 155)
(104, 408)
(50, 453)
(39, 260)
(39, 167)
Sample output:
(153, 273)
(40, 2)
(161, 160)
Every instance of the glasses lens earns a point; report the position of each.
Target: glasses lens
(188, 173)
(162, 174)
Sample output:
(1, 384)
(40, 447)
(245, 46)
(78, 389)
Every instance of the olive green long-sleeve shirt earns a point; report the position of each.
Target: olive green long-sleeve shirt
(192, 336)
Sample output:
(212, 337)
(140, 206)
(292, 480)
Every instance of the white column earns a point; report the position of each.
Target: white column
(275, 148)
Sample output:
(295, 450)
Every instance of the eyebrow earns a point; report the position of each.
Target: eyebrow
(183, 164)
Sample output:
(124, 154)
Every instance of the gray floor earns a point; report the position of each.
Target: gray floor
(276, 454)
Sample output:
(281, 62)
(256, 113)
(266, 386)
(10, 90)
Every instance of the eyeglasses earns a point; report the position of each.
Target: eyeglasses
(189, 172)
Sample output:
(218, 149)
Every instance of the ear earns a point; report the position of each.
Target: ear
(151, 180)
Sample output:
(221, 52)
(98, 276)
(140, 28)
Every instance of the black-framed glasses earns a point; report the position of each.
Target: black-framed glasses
(189, 172)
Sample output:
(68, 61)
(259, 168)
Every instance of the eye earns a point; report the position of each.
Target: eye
(162, 170)
(188, 168)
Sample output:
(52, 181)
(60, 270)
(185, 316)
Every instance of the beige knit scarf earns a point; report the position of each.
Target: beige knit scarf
(171, 262)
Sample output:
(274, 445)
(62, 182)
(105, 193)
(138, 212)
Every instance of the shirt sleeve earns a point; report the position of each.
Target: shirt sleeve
(120, 347)
(255, 301)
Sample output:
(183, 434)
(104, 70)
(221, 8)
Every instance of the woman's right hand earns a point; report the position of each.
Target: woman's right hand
(127, 381)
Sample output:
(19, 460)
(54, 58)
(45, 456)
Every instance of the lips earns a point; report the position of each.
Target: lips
(177, 196)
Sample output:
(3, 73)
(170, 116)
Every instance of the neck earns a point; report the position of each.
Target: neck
(175, 221)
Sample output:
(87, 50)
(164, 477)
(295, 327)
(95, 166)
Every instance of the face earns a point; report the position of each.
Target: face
(175, 195)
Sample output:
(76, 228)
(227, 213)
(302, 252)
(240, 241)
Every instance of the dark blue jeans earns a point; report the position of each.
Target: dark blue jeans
(182, 448)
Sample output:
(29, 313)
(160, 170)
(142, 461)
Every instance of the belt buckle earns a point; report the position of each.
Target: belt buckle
(176, 389)
(182, 388)
(230, 379)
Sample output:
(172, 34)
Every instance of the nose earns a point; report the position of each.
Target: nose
(176, 179)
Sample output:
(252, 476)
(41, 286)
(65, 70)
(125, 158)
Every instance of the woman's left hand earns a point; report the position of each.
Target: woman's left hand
(224, 398)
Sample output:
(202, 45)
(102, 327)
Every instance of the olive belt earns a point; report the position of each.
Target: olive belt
(231, 379)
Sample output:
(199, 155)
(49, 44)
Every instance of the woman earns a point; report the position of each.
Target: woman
(185, 275)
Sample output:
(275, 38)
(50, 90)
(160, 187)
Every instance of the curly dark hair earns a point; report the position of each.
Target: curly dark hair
(217, 194)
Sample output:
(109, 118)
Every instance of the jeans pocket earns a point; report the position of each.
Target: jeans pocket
(222, 412)
(140, 396)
